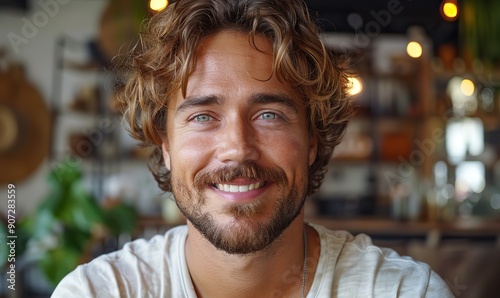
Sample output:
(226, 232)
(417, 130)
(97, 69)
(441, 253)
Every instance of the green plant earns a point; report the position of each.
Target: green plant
(3, 248)
(69, 221)
(479, 30)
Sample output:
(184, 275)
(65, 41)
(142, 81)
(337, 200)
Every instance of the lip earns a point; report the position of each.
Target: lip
(241, 197)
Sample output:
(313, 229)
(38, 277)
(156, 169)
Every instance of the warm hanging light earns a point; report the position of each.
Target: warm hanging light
(449, 10)
(414, 49)
(158, 5)
(467, 87)
(356, 86)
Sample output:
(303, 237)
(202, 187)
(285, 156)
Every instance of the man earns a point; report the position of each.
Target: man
(244, 107)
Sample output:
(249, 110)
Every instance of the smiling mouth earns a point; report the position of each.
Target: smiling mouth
(239, 188)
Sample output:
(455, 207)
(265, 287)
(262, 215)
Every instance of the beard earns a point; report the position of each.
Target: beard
(244, 234)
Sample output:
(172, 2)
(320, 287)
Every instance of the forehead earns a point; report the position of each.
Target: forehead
(230, 59)
(232, 41)
(234, 50)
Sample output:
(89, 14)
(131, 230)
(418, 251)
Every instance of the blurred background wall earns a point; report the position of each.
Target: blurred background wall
(79, 19)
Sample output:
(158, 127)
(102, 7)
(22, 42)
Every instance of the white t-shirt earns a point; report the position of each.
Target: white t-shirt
(348, 267)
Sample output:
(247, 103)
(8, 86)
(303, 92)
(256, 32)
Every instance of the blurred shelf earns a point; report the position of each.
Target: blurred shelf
(471, 228)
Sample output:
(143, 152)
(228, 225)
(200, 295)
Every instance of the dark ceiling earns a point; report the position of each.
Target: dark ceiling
(332, 16)
(19, 4)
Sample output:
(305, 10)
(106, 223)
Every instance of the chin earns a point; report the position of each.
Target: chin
(244, 233)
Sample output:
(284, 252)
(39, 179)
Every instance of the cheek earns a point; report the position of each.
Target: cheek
(190, 153)
(290, 150)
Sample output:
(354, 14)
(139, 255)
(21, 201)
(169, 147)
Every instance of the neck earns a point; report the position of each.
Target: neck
(274, 271)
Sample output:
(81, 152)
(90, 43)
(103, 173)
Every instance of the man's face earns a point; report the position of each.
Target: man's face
(238, 146)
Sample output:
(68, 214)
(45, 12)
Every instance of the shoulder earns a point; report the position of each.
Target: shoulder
(143, 252)
(139, 266)
(364, 269)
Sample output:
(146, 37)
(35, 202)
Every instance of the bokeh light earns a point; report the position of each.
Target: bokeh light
(158, 5)
(467, 87)
(356, 85)
(449, 10)
(414, 49)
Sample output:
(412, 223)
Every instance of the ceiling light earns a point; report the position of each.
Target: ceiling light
(158, 5)
(467, 87)
(414, 49)
(449, 10)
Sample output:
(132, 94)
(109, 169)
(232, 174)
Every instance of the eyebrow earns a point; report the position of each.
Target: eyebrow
(199, 101)
(279, 98)
(258, 98)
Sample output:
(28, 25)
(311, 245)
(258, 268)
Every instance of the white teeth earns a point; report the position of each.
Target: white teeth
(239, 188)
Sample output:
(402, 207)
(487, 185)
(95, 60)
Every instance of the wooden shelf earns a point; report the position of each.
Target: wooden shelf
(471, 228)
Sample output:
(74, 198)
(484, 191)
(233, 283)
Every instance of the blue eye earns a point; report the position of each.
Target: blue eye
(203, 118)
(269, 116)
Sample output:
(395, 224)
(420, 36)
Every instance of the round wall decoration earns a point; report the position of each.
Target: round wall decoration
(25, 126)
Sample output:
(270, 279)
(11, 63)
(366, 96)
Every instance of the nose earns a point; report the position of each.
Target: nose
(237, 143)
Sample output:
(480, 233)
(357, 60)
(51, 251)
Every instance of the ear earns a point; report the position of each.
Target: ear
(166, 155)
(313, 149)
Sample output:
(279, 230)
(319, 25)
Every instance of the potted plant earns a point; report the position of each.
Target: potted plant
(67, 223)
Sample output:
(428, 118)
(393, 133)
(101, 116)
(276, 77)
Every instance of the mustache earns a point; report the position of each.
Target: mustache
(248, 170)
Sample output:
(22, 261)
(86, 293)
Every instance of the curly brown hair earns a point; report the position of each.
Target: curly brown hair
(166, 58)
